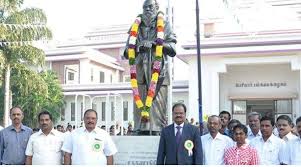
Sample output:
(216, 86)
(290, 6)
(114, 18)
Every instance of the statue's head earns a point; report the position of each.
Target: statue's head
(150, 8)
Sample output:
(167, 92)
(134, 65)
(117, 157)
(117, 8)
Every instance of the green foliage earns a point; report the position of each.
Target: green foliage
(29, 54)
(9, 6)
(31, 90)
(36, 92)
(26, 25)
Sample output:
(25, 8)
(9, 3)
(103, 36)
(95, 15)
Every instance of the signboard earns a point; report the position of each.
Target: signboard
(260, 84)
(136, 150)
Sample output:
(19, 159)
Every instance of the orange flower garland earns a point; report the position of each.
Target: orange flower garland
(156, 68)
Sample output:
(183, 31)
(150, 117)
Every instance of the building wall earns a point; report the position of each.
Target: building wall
(220, 75)
(258, 81)
(59, 68)
(97, 67)
(114, 52)
(211, 66)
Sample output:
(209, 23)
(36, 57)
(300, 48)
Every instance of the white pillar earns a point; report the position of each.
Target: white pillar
(106, 112)
(169, 92)
(297, 112)
(296, 66)
(115, 118)
(84, 107)
(193, 90)
(75, 108)
(84, 72)
(214, 103)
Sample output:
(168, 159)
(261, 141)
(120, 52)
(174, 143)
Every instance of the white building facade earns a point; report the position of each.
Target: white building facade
(243, 73)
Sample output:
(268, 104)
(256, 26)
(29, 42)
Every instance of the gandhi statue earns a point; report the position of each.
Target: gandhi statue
(145, 56)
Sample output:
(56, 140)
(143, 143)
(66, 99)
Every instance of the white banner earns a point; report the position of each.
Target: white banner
(136, 150)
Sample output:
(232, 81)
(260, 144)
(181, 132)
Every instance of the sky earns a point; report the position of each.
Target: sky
(68, 18)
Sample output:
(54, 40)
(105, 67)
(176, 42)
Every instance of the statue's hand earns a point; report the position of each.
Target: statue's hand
(145, 45)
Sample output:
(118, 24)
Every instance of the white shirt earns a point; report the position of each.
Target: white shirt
(45, 150)
(214, 149)
(292, 152)
(89, 148)
(271, 151)
(289, 137)
(251, 135)
(176, 130)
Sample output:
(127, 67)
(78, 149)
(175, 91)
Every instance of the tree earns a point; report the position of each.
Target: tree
(18, 28)
(41, 91)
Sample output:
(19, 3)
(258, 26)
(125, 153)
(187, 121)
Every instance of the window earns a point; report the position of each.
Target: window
(94, 106)
(103, 111)
(112, 111)
(284, 107)
(92, 75)
(111, 78)
(72, 111)
(239, 107)
(70, 76)
(71, 73)
(126, 78)
(179, 101)
(125, 110)
(101, 77)
(62, 114)
(81, 111)
(265, 107)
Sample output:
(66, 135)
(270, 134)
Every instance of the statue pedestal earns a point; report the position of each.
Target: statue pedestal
(136, 150)
(148, 133)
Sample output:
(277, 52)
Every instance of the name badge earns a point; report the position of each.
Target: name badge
(97, 146)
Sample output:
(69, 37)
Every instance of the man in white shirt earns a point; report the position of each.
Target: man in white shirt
(44, 147)
(89, 145)
(293, 149)
(253, 125)
(269, 147)
(285, 126)
(214, 144)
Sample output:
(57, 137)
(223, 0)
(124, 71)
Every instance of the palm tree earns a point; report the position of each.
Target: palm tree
(18, 28)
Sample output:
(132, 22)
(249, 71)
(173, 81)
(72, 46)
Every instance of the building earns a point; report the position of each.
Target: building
(242, 71)
(94, 75)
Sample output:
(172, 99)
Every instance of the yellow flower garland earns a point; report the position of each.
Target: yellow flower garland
(145, 109)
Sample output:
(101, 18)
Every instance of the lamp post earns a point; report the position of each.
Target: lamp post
(199, 66)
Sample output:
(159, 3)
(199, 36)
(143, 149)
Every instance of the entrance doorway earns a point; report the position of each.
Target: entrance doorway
(265, 107)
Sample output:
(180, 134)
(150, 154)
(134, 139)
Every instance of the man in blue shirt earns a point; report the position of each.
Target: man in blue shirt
(225, 118)
(13, 139)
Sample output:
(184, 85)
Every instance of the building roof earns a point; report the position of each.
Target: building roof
(76, 53)
(257, 15)
(240, 44)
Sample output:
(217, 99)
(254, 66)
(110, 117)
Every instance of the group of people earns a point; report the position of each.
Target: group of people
(88, 145)
(228, 142)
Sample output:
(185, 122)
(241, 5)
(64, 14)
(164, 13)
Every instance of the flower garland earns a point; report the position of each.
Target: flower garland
(156, 68)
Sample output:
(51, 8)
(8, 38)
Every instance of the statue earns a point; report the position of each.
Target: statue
(150, 41)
